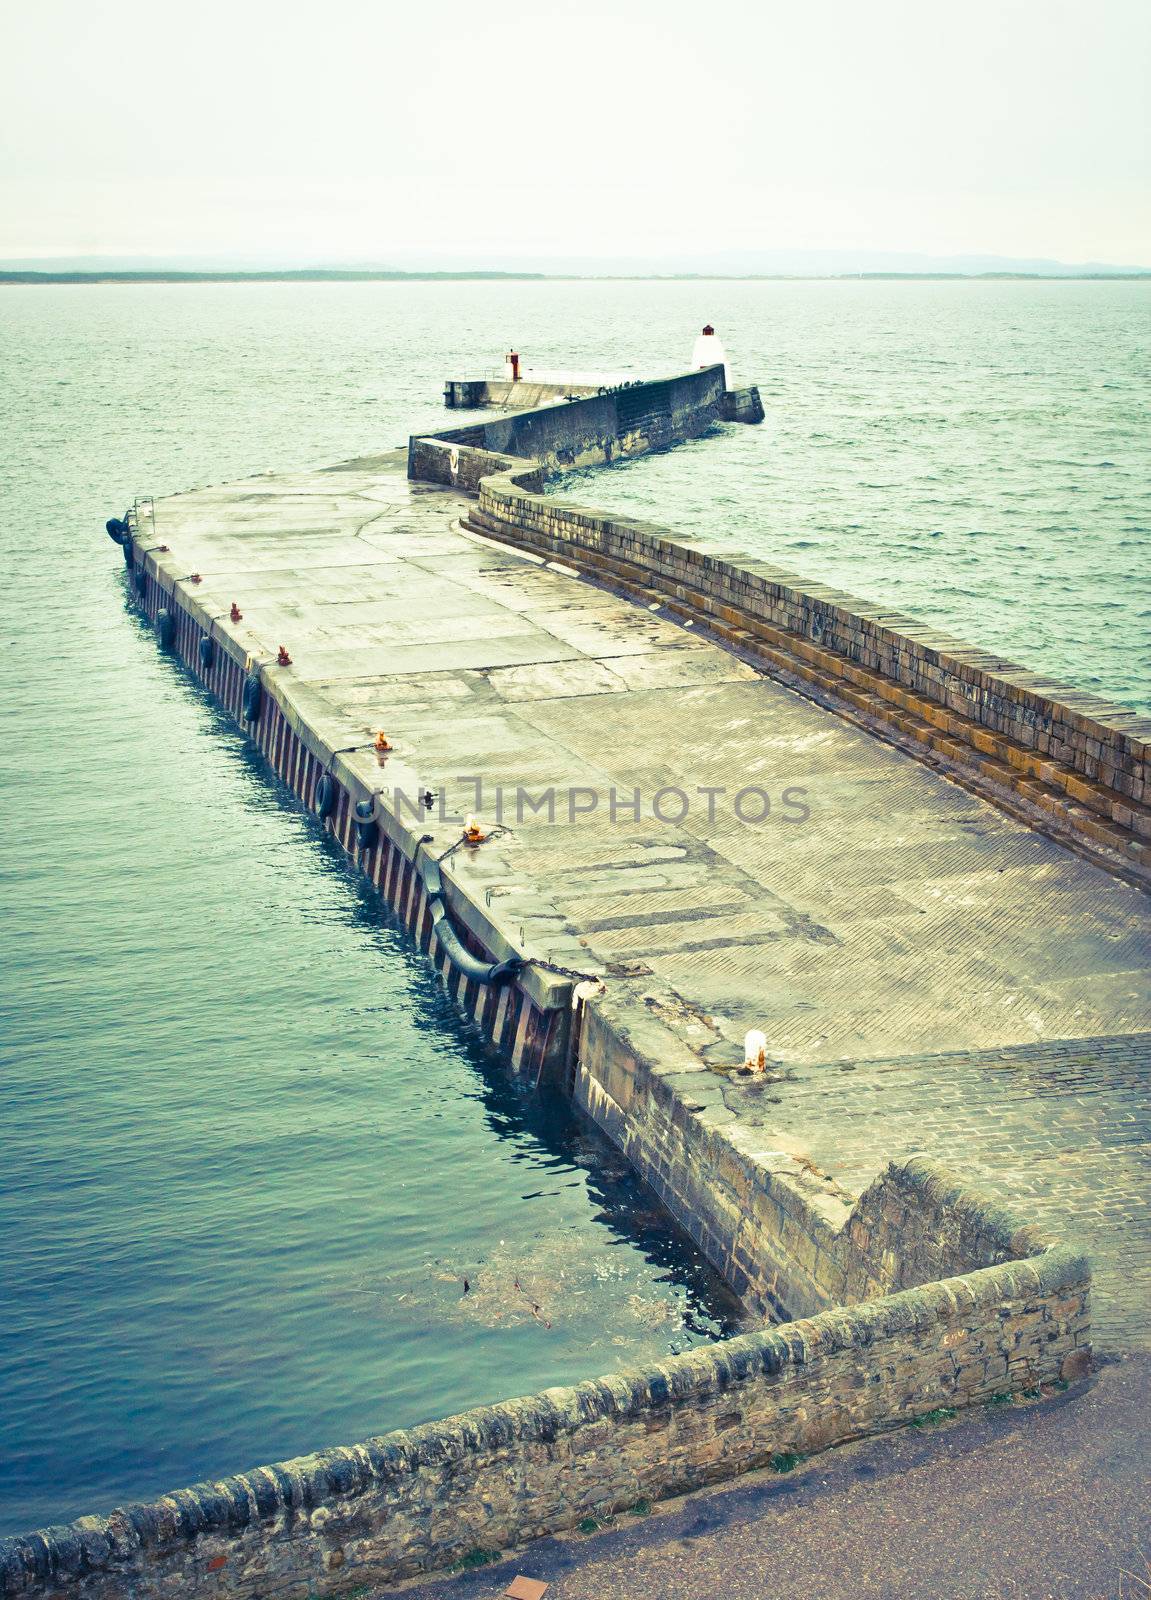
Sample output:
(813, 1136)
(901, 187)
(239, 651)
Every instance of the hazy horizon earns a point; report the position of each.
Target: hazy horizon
(735, 264)
(661, 134)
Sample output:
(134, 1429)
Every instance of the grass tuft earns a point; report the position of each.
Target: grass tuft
(477, 1558)
(932, 1419)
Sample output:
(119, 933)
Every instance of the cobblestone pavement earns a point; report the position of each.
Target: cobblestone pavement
(1044, 1502)
(1061, 1131)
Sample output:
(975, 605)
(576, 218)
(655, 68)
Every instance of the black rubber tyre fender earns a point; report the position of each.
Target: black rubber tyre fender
(367, 829)
(206, 650)
(253, 696)
(166, 628)
(325, 800)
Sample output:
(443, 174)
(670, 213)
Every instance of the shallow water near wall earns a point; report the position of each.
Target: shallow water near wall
(250, 1153)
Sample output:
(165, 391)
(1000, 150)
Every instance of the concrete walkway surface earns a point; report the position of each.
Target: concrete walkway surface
(930, 973)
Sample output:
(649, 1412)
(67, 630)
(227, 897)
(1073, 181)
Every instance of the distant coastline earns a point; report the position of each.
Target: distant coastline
(320, 275)
(302, 275)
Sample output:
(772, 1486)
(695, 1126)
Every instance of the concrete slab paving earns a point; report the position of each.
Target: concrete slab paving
(903, 944)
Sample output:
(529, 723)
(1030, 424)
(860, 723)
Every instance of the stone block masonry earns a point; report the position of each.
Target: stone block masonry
(410, 1502)
(1058, 753)
(1067, 758)
(743, 405)
(1065, 1122)
(787, 1241)
(578, 433)
(473, 394)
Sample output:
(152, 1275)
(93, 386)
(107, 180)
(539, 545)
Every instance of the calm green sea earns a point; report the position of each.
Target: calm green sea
(975, 454)
(249, 1151)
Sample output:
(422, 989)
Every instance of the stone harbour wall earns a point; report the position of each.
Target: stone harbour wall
(1080, 759)
(919, 1294)
(521, 394)
(578, 433)
(786, 1242)
(414, 1501)
(457, 463)
(528, 1017)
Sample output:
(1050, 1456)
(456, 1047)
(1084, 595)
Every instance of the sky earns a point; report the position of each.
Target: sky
(416, 133)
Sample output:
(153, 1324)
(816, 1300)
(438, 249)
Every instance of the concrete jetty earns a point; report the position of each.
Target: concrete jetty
(634, 798)
(721, 850)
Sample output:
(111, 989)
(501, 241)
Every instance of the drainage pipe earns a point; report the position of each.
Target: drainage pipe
(460, 957)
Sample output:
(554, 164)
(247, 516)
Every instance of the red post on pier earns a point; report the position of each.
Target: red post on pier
(512, 365)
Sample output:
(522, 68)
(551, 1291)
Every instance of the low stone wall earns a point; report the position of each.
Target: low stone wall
(585, 432)
(459, 464)
(743, 405)
(1071, 754)
(779, 1236)
(414, 1501)
(513, 395)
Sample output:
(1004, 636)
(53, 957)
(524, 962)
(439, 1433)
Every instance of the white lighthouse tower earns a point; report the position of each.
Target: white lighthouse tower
(709, 352)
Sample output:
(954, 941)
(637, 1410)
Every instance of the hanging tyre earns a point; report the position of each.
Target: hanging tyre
(367, 829)
(325, 795)
(253, 696)
(166, 628)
